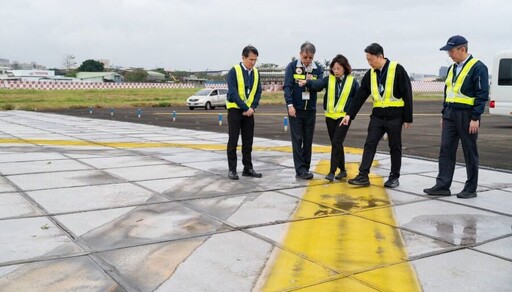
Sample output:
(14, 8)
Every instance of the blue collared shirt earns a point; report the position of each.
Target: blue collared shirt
(458, 67)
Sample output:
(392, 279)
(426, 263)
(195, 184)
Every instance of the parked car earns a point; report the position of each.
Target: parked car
(208, 98)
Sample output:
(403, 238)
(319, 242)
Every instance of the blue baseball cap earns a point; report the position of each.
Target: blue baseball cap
(453, 42)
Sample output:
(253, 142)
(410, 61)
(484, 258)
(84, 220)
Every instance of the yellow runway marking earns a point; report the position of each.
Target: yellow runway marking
(316, 149)
(345, 243)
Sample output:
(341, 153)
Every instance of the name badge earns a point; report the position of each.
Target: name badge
(305, 95)
(381, 88)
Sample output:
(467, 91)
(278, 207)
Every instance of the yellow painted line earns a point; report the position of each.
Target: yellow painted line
(316, 149)
(344, 243)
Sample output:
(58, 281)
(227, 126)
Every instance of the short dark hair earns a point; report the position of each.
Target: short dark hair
(308, 48)
(343, 62)
(374, 49)
(249, 49)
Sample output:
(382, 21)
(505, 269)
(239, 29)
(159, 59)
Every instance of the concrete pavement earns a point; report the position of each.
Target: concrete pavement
(97, 205)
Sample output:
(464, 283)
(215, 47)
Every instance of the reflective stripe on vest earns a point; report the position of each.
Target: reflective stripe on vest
(388, 100)
(302, 77)
(336, 112)
(241, 87)
(453, 94)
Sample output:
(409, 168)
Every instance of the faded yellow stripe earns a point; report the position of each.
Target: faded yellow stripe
(316, 149)
(344, 243)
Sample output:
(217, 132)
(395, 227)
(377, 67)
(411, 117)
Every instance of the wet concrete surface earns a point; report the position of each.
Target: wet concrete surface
(101, 205)
(422, 140)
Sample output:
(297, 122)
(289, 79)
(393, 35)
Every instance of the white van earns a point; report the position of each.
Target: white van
(208, 98)
(501, 85)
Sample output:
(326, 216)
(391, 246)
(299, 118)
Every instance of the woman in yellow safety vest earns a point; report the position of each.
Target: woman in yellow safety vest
(341, 88)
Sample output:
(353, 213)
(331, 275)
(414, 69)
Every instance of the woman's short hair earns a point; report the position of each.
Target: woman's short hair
(343, 62)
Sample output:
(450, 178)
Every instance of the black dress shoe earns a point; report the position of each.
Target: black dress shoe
(232, 175)
(341, 175)
(251, 172)
(392, 182)
(360, 180)
(304, 175)
(330, 176)
(466, 195)
(437, 191)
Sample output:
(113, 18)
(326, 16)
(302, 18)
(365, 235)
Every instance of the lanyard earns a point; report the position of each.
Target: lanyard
(339, 86)
(250, 81)
(382, 74)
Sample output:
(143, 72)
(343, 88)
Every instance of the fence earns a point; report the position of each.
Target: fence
(417, 86)
(59, 85)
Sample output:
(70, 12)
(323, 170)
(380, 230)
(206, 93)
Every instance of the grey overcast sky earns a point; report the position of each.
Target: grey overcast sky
(210, 34)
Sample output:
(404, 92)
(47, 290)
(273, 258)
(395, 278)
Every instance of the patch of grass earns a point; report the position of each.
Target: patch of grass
(122, 98)
(428, 96)
(8, 107)
(162, 104)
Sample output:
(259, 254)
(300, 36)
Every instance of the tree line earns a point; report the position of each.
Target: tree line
(141, 75)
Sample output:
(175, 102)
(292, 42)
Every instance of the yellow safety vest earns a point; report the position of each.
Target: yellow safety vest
(453, 94)
(388, 100)
(241, 87)
(336, 111)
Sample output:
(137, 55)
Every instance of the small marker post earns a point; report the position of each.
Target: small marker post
(285, 124)
(174, 116)
(220, 119)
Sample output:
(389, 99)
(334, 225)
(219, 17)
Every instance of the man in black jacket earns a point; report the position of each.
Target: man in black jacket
(465, 94)
(390, 87)
(301, 106)
(244, 93)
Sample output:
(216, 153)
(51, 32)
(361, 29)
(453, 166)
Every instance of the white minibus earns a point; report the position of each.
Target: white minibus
(501, 85)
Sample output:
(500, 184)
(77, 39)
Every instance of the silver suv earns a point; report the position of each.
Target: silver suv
(208, 98)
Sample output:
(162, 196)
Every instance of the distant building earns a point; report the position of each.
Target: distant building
(3, 73)
(29, 75)
(271, 75)
(192, 79)
(20, 66)
(99, 77)
(155, 76)
(5, 63)
(359, 74)
(216, 73)
(443, 71)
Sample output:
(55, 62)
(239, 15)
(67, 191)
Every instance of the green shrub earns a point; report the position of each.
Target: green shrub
(8, 107)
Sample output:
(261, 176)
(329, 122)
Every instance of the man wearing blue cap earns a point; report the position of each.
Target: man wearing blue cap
(465, 94)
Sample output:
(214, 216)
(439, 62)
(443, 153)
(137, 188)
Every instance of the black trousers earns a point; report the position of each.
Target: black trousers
(238, 123)
(337, 135)
(376, 129)
(302, 128)
(455, 128)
